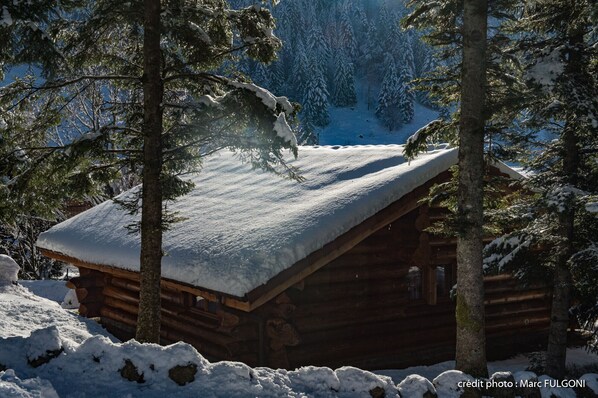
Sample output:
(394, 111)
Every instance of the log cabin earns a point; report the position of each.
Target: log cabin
(335, 269)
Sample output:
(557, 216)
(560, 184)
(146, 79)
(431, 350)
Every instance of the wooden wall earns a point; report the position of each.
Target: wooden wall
(357, 311)
(219, 333)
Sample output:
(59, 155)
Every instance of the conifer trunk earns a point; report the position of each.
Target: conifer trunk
(471, 341)
(148, 321)
(559, 318)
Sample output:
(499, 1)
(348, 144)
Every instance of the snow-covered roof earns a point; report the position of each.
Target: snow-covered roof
(244, 226)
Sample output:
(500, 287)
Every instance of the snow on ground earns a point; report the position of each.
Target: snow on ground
(91, 366)
(54, 290)
(577, 356)
(22, 312)
(358, 125)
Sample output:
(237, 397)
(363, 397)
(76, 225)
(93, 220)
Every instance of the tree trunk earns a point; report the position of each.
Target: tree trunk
(471, 341)
(556, 355)
(148, 321)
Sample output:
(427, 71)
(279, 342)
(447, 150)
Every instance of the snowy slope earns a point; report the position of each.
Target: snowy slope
(21, 312)
(244, 226)
(359, 126)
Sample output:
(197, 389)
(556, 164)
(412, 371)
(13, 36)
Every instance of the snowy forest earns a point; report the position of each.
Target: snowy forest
(340, 49)
(302, 198)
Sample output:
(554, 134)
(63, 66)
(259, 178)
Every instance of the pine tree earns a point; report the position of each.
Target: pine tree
(301, 72)
(562, 99)
(406, 97)
(389, 98)
(317, 45)
(347, 37)
(452, 26)
(344, 82)
(166, 106)
(315, 101)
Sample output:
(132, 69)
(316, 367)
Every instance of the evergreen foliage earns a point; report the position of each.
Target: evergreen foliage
(315, 100)
(344, 80)
(561, 102)
(389, 99)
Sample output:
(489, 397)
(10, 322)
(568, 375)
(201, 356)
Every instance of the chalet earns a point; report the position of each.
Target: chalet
(334, 270)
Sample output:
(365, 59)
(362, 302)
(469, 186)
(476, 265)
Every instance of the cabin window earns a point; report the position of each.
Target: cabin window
(445, 279)
(414, 283)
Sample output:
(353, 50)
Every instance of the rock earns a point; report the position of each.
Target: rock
(2, 368)
(416, 386)
(39, 361)
(377, 392)
(9, 269)
(526, 385)
(590, 390)
(130, 372)
(43, 345)
(453, 383)
(501, 385)
(183, 374)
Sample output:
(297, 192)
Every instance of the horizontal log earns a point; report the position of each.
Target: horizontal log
(89, 294)
(384, 343)
(519, 324)
(507, 309)
(87, 272)
(521, 296)
(350, 303)
(85, 282)
(187, 329)
(121, 294)
(351, 274)
(224, 318)
(355, 260)
(204, 347)
(119, 330)
(90, 310)
(327, 292)
(126, 284)
(498, 278)
(118, 315)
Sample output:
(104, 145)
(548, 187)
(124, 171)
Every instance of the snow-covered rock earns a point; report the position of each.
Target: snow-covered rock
(70, 301)
(549, 389)
(416, 386)
(43, 345)
(591, 381)
(526, 391)
(315, 380)
(12, 386)
(9, 269)
(357, 382)
(448, 384)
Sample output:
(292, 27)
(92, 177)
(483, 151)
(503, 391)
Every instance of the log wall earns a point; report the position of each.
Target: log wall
(356, 310)
(219, 333)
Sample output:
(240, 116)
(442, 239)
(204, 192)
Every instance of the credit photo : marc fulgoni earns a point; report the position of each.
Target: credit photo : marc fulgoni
(531, 383)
